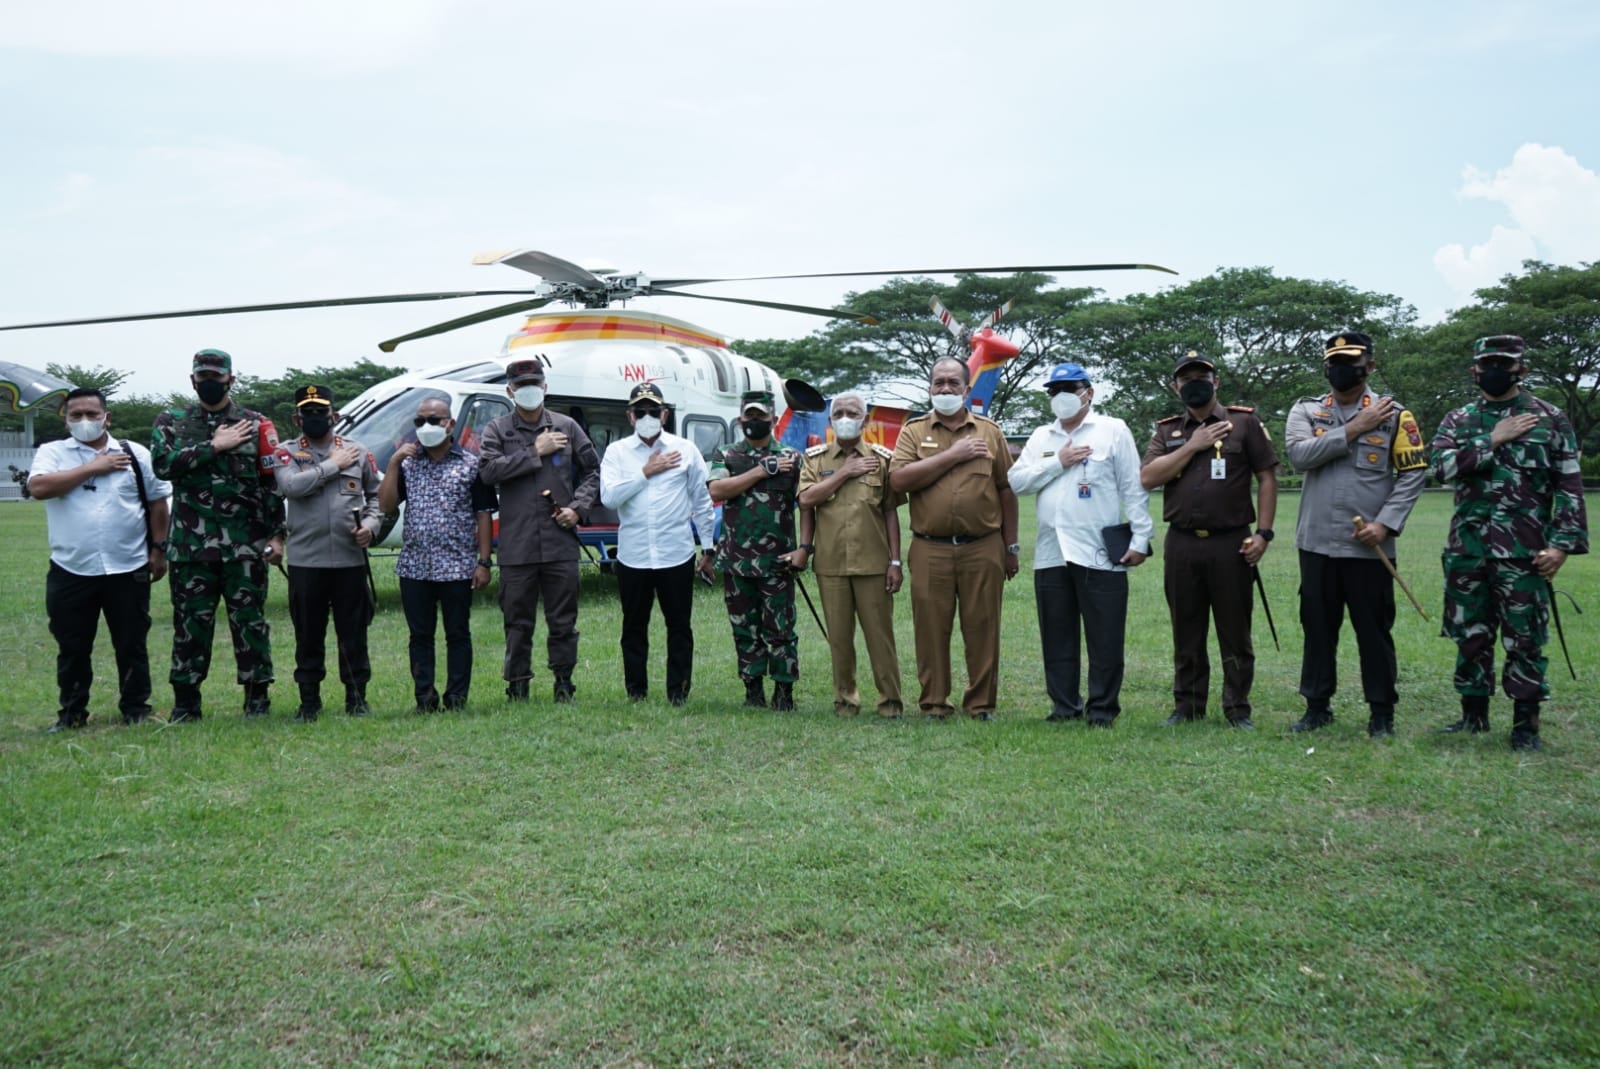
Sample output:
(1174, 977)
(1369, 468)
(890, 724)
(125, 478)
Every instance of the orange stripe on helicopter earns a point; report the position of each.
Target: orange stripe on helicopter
(547, 330)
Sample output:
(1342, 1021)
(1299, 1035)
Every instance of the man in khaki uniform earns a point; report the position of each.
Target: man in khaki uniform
(847, 504)
(952, 465)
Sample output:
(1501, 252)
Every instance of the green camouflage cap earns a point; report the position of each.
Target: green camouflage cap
(1499, 345)
(761, 399)
(212, 360)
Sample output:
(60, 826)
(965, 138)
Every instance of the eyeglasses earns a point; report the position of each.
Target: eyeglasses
(437, 421)
(651, 410)
(1066, 387)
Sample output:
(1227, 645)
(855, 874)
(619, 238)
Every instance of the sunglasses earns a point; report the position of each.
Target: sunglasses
(651, 410)
(1067, 387)
(437, 421)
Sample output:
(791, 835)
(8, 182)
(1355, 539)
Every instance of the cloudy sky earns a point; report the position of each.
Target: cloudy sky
(184, 153)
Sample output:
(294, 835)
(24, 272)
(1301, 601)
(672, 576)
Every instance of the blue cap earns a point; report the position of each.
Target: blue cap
(1068, 372)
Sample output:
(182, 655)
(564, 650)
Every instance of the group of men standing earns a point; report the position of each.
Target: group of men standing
(241, 501)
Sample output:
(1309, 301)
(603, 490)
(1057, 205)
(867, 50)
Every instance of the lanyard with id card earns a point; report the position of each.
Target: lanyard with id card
(1219, 467)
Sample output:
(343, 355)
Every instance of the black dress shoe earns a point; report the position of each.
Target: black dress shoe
(307, 714)
(1100, 722)
(1175, 719)
(1522, 740)
(183, 715)
(1243, 723)
(358, 707)
(453, 704)
(983, 716)
(679, 699)
(1058, 715)
(1312, 720)
(66, 725)
(518, 691)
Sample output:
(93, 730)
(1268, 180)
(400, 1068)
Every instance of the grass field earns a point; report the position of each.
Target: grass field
(611, 884)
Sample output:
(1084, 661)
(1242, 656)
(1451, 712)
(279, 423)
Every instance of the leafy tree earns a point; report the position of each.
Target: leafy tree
(274, 397)
(813, 358)
(107, 380)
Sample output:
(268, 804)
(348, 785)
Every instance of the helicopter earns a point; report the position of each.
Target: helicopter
(595, 354)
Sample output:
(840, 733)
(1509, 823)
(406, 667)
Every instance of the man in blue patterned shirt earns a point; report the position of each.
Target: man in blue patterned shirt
(446, 554)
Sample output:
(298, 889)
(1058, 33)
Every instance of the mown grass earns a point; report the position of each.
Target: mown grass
(618, 884)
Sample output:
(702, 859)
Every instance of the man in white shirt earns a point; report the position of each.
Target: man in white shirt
(656, 482)
(107, 516)
(1085, 469)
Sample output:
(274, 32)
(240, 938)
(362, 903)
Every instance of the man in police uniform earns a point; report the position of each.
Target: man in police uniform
(757, 481)
(548, 475)
(1519, 513)
(330, 485)
(952, 464)
(1362, 455)
(1204, 459)
(851, 515)
(227, 529)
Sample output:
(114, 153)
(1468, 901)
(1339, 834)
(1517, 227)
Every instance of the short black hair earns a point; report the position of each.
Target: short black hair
(84, 391)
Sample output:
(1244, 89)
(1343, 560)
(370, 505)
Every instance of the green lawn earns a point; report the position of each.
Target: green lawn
(610, 884)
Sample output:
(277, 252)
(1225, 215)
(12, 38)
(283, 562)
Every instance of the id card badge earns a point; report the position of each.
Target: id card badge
(1083, 492)
(1219, 468)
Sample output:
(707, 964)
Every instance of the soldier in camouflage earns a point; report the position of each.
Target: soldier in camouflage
(758, 480)
(227, 528)
(1519, 512)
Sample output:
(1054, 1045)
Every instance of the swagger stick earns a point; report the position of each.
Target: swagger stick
(1389, 564)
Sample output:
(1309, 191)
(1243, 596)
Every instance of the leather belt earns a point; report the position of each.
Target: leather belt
(1209, 532)
(953, 540)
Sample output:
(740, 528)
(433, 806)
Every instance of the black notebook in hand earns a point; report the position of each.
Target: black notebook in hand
(1117, 538)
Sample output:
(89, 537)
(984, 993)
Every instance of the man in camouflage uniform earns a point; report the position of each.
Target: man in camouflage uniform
(1362, 455)
(330, 486)
(758, 480)
(1519, 513)
(227, 528)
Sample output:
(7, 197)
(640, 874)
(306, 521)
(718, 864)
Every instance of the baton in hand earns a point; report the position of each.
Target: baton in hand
(1393, 574)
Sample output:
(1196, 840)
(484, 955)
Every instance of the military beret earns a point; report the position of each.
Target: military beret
(1499, 345)
(519, 371)
(212, 360)
(313, 395)
(761, 399)
(1350, 343)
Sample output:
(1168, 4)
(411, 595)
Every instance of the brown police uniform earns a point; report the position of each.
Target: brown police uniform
(957, 555)
(851, 558)
(1205, 574)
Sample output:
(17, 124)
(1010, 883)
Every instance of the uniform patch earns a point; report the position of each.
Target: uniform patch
(352, 485)
(1318, 432)
(1373, 439)
(1372, 458)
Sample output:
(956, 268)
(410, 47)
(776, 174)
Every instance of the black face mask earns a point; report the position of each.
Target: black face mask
(1344, 377)
(316, 427)
(211, 391)
(756, 429)
(1196, 392)
(1496, 381)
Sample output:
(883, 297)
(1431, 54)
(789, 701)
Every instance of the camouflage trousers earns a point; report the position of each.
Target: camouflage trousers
(196, 587)
(761, 610)
(1486, 595)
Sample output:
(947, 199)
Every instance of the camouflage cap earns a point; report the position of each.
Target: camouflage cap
(646, 391)
(760, 399)
(520, 371)
(1503, 345)
(1350, 343)
(313, 395)
(1191, 356)
(212, 360)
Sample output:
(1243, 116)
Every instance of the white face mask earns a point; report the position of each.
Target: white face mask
(87, 430)
(529, 398)
(846, 429)
(1065, 404)
(948, 404)
(431, 435)
(647, 427)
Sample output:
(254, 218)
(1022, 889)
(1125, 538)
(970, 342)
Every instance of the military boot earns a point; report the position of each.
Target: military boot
(562, 690)
(185, 703)
(1318, 715)
(310, 703)
(355, 699)
(1381, 724)
(783, 696)
(1474, 715)
(755, 695)
(517, 691)
(1525, 726)
(256, 700)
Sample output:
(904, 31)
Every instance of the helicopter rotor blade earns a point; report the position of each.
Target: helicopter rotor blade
(550, 268)
(947, 319)
(466, 321)
(804, 309)
(995, 316)
(1045, 270)
(279, 306)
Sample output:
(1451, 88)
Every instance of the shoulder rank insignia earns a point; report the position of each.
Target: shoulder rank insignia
(817, 450)
(1240, 408)
(883, 451)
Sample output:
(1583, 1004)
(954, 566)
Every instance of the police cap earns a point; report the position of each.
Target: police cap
(313, 395)
(1351, 343)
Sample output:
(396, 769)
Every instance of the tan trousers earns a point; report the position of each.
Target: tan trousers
(943, 576)
(846, 598)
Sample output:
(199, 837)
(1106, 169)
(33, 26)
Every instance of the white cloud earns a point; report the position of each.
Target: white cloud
(1554, 202)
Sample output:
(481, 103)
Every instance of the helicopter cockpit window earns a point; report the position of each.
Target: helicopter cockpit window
(706, 432)
(485, 372)
(477, 413)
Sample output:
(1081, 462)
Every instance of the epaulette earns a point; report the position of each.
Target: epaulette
(986, 419)
(817, 450)
(883, 451)
(1169, 419)
(1241, 408)
(918, 419)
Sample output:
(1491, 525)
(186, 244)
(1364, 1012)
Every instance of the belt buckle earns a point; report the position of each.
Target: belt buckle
(1202, 534)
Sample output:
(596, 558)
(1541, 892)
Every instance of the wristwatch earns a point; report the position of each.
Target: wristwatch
(485, 562)
(808, 547)
(1015, 549)
(894, 564)
(161, 545)
(1265, 533)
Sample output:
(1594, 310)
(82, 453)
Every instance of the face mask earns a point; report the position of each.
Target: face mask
(211, 391)
(1065, 404)
(948, 404)
(1344, 377)
(1496, 381)
(430, 435)
(316, 427)
(1196, 392)
(529, 398)
(756, 429)
(87, 430)
(647, 427)
(846, 429)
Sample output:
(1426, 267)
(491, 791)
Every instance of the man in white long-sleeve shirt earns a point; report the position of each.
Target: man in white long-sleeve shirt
(1085, 469)
(656, 482)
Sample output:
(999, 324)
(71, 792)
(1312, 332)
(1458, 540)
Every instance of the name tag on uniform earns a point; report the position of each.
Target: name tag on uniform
(1219, 468)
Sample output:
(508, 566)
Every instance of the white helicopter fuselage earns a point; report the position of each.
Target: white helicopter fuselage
(593, 359)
